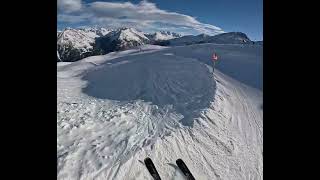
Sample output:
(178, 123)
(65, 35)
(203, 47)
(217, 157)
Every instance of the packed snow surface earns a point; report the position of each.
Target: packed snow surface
(164, 103)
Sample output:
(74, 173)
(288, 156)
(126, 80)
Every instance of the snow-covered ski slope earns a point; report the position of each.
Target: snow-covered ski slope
(164, 103)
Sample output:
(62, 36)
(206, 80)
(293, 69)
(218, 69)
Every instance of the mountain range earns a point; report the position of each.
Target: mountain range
(75, 44)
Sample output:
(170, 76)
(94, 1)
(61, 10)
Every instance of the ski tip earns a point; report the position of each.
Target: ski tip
(180, 162)
(147, 159)
(183, 167)
(151, 168)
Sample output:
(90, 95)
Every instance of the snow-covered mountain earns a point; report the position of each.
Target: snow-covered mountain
(258, 42)
(96, 31)
(189, 39)
(162, 35)
(223, 38)
(121, 39)
(75, 44)
(125, 36)
(165, 103)
(230, 38)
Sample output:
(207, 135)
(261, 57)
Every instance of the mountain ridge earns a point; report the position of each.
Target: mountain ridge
(75, 44)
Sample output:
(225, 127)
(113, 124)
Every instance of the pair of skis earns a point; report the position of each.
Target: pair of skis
(154, 173)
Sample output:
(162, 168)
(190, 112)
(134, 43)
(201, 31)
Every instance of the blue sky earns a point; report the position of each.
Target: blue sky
(183, 16)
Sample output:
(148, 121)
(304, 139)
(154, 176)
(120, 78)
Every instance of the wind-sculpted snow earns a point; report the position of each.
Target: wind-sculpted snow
(183, 83)
(164, 103)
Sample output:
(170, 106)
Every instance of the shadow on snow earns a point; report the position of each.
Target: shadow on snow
(185, 84)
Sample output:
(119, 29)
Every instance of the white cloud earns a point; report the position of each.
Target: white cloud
(69, 5)
(144, 15)
(72, 18)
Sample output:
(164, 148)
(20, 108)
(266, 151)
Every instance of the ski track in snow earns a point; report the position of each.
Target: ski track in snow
(107, 134)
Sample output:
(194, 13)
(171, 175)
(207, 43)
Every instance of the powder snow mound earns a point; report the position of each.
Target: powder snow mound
(183, 83)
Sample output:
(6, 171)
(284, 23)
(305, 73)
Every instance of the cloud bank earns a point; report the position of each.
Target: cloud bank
(68, 6)
(144, 15)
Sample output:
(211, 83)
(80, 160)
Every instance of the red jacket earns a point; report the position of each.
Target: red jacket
(214, 57)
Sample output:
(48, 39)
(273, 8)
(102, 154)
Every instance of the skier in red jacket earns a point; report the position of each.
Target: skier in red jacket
(214, 59)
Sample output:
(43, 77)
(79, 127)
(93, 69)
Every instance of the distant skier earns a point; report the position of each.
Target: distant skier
(214, 59)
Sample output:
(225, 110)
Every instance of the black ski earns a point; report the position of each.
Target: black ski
(183, 167)
(151, 168)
